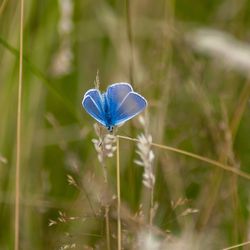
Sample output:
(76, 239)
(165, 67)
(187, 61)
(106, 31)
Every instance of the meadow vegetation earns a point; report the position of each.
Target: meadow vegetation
(184, 163)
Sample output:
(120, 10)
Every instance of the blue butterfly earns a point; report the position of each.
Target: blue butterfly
(115, 106)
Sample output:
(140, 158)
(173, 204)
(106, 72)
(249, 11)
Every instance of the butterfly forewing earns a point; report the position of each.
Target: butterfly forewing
(116, 94)
(132, 105)
(94, 109)
(97, 97)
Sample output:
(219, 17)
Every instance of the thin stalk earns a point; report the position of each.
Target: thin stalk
(119, 245)
(107, 227)
(239, 110)
(82, 189)
(151, 206)
(42, 76)
(195, 156)
(238, 245)
(130, 40)
(18, 132)
(2, 7)
(217, 177)
(234, 127)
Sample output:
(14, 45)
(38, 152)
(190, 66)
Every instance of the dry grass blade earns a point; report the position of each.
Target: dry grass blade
(107, 227)
(238, 245)
(130, 40)
(195, 156)
(240, 109)
(2, 7)
(119, 245)
(18, 135)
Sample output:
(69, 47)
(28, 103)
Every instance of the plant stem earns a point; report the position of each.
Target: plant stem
(118, 195)
(195, 156)
(18, 133)
(2, 7)
(151, 206)
(238, 245)
(107, 227)
(130, 41)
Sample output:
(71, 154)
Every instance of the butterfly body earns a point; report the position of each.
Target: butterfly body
(115, 106)
(107, 113)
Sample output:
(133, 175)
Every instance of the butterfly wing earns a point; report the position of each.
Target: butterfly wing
(132, 105)
(115, 95)
(96, 96)
(92, 103)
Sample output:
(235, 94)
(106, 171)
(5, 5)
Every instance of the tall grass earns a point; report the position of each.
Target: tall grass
(118, 183)
(18, 131)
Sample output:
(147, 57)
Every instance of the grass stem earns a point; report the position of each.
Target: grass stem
(195, 156)
(18, 132)
(118, 185)
(107, 227)
(2, 7)
(238, 245)
(130, 41)
(151, 206)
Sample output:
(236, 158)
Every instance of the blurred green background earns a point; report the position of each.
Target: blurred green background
(189, 58)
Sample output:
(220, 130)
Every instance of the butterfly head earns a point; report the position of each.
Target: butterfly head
(110, 128)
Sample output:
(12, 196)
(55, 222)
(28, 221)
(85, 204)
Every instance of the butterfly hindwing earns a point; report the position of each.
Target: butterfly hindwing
(93, 108)
(131, 105)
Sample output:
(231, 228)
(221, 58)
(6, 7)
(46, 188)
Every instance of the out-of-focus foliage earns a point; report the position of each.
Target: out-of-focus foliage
(198, 101)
